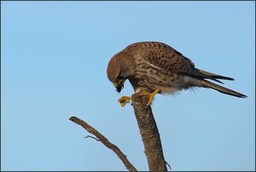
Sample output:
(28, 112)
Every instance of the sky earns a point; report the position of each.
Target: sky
(54, 57)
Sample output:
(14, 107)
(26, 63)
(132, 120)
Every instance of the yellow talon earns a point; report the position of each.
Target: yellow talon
(150, 95)
(126, 99)
(123, 100)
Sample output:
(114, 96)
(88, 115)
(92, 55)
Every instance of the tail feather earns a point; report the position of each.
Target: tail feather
(201, 76)
(208, 84)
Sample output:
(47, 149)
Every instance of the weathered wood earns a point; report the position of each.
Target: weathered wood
(149, 133)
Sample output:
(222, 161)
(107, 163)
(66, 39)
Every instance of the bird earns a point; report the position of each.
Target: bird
(156, 68)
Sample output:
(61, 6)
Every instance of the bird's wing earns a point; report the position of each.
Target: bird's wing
(165, 58)
(201, 74)
(169, 61)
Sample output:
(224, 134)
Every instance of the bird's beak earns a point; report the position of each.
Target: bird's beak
(119, 86)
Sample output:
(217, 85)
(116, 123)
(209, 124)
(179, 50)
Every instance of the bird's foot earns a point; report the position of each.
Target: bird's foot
(124, 99)
(150, 95)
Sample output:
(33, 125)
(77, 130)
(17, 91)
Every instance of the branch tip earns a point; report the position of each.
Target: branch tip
(95, 138)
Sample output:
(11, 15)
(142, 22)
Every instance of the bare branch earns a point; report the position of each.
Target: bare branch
(92, 137)
(104, 141)
(149, 133)
(168, 165)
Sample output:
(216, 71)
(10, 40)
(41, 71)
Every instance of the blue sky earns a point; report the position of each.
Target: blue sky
(53, 65)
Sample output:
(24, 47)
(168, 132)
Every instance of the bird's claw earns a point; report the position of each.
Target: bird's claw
(150, 95)
(124, 99)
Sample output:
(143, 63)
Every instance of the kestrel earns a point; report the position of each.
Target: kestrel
(155, 67)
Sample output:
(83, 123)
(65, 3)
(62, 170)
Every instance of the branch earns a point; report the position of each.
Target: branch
(149, 133)
(104, 141)
(95, 138)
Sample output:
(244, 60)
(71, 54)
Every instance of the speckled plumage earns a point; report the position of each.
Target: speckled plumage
(154, 65)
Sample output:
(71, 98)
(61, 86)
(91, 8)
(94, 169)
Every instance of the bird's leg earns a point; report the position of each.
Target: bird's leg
(124, 99)
(150, 95)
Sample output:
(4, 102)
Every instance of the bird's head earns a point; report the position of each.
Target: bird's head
(117, 71)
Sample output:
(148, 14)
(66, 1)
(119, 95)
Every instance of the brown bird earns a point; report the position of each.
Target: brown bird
(155, 67)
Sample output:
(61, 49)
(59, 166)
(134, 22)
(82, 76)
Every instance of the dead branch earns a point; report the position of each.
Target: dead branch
(104, 141)
(149, 133)
(168, 165)
(95, 138)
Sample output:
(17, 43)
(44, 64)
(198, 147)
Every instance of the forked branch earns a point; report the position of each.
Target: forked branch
(104, 141)
(148, 130)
